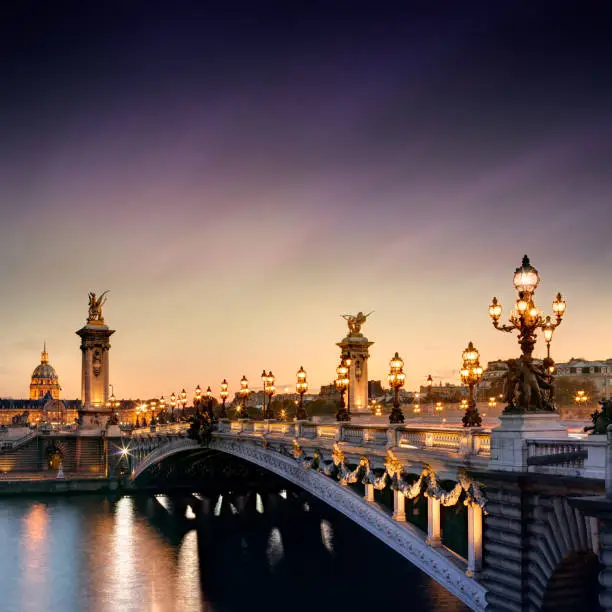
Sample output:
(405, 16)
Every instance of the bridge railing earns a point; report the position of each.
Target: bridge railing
(583, 458)
(448, 440)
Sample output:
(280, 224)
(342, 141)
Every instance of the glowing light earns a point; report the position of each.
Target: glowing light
(283, 494)
(189, 513)
(217, 510)
(259, 504)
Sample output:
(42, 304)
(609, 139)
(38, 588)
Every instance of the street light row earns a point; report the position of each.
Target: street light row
(525, 317)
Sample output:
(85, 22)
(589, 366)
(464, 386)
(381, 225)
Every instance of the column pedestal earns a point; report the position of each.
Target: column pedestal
(509, 438)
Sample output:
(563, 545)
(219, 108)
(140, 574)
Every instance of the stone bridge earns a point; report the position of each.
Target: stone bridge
(526, 546)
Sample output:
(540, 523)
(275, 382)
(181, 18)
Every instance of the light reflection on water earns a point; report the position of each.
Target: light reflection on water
(133, 554)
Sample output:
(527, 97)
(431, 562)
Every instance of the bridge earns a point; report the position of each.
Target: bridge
(496, 539)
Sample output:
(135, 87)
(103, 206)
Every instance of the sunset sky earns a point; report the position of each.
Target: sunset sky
(240, 178)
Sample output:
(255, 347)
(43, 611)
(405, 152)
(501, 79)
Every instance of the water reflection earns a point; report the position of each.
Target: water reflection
(275, 551)
(187, 575)
(181, 552)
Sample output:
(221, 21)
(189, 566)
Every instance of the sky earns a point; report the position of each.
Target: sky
(240, 175)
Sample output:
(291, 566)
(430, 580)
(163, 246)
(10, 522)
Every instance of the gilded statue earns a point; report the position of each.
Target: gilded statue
(355, 322)
(95, 307)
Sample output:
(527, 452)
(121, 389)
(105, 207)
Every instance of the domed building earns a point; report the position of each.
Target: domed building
(44, 379)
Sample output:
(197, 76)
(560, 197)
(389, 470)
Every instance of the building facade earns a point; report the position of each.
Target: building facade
(598, 372)
(44, 379)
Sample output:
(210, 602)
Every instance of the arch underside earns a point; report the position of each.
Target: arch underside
(404, 538)
(563, 566)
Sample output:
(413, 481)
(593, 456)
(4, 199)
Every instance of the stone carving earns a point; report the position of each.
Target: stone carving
(528, 387)
(95, 307)
(355, 322)
(96, 362)
(601, 418)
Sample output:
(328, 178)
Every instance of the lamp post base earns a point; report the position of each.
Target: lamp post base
(343, 414)
(396, 416)
(472, 417)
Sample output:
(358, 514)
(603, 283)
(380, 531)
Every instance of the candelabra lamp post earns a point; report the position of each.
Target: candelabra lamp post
(264, 380)
(492, 402)
(471, 373)
(581, 397)
(172, 405)
(301, 386)
(429, 384)
(209, 403)
(529, 386)
(342, 384)
(162, 409)
(197, 399)
(396, 380)
(243, 394)
(183, 402)
(223, 393)
(269, 391)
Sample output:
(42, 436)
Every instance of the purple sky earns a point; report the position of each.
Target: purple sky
(239, 179)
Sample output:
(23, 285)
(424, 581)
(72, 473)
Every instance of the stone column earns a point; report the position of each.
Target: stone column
(399, 507)
(369, 492)
(356, 345)
(434, 535)
(474, 540)
(95, 348)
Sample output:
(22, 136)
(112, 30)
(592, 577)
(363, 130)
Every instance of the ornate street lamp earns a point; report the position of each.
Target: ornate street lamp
(581, 397)
(492, 402)
(152, 406)
(209, 403)
(264, 381)
(244, 394)
(197, 398)
(396, 380)
(439, 408)
(183, 401)
(269, 390)
(172, 404)
(301, 386)
(342, 384)
(534, 382)
(471, 373)
(162, 406)
(223, 393)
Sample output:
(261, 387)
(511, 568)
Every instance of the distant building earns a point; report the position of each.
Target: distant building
(445, 392)
(493, 383)
(44, 403)
(598, 372)
(375, 388)
(44, 379)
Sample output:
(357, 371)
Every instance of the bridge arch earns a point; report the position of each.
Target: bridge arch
(563, 565)
(405, 539)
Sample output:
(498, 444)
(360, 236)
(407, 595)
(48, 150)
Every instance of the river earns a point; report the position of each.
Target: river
(274, 552)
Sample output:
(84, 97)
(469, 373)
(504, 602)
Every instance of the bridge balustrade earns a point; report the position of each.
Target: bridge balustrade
(582, 458)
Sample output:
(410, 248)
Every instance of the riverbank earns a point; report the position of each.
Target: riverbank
(28, 484)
